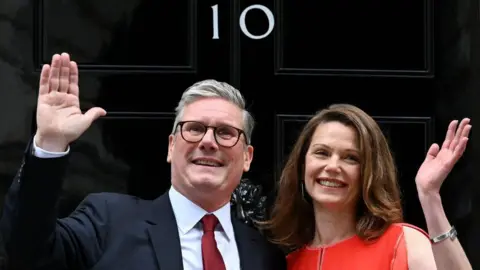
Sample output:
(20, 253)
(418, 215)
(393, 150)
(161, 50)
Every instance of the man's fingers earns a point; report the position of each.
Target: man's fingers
(93, 114)
(64, 73)
(73, 87)
(44, 75)
(54, 79)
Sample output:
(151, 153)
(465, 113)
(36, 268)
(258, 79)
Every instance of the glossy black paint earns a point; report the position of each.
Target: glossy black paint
(414, 72)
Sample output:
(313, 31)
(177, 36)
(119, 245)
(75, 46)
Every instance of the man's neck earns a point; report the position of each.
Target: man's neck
(208, 202)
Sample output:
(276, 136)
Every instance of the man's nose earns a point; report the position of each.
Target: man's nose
(208, 141)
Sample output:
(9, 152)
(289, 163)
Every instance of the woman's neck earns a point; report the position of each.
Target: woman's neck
(332, 225)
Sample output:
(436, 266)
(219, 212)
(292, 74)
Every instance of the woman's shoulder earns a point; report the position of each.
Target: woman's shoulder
(393, 240)
(414, 247)
(410, 228)
(400, 230)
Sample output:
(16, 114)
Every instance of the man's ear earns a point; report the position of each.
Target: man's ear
(171, 144)
(248, 156)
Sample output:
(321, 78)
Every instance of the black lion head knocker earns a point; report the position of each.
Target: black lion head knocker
(248, 202)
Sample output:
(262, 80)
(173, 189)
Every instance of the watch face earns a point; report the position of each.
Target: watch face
(453, 233)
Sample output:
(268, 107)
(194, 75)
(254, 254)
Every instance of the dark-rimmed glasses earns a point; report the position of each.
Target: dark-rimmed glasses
(225, 135)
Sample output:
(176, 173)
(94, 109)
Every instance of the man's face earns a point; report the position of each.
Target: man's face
(206, 170)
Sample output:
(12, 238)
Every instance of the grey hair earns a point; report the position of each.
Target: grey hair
(213, 88)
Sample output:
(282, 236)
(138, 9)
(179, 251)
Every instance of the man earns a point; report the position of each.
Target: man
(188, 228)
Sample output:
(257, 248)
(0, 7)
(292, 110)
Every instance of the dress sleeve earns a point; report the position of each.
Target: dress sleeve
(400, 260)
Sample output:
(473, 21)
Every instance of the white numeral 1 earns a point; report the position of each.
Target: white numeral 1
(215, 21)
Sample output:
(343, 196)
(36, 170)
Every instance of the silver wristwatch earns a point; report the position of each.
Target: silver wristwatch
(452, 234)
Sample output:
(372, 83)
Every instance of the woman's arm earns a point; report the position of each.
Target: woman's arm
(448, 253)
(432, 173)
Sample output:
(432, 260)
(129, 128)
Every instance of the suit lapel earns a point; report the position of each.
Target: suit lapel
(247, 242)
(164, 235)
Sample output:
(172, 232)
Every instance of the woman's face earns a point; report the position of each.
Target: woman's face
(332, 166)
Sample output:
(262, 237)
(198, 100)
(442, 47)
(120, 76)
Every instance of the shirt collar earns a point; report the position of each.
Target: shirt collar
(188, 214)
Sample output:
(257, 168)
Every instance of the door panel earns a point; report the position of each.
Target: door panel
(133, 29)
(355, 38)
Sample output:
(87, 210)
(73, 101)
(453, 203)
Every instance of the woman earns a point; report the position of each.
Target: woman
(338, 204)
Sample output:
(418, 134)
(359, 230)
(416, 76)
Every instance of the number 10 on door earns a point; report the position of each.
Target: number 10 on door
(241, 21)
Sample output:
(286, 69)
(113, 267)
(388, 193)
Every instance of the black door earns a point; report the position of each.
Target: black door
(289, 58)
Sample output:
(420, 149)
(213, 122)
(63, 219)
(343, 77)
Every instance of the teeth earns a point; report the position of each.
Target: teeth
(207, 163)
(330, 184)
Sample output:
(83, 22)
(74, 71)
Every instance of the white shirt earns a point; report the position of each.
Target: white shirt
(188, 216)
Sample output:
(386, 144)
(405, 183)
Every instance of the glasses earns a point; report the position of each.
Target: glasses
(225, 135)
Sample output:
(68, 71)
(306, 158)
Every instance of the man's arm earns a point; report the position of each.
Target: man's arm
(448, 253)
(34, 238)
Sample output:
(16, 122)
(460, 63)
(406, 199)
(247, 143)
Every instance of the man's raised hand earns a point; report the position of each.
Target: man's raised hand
(59, 118)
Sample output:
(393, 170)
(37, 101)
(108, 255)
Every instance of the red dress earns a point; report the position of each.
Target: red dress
(388, 252)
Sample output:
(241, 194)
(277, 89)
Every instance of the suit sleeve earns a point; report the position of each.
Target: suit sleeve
(34, 237)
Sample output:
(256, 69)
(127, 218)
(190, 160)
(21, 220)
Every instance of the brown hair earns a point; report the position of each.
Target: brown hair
(292, 223)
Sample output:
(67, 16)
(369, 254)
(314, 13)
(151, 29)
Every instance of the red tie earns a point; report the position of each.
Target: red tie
(212, 259)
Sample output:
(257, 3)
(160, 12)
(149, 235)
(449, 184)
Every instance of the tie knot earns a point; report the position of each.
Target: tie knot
(209, 223)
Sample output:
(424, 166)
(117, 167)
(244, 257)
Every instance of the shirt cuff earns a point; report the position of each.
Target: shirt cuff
(40, 153)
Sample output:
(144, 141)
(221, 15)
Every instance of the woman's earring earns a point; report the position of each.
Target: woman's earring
(305, 195)
(302, 188)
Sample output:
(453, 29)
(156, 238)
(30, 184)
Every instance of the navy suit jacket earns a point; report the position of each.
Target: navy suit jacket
(106, 231)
